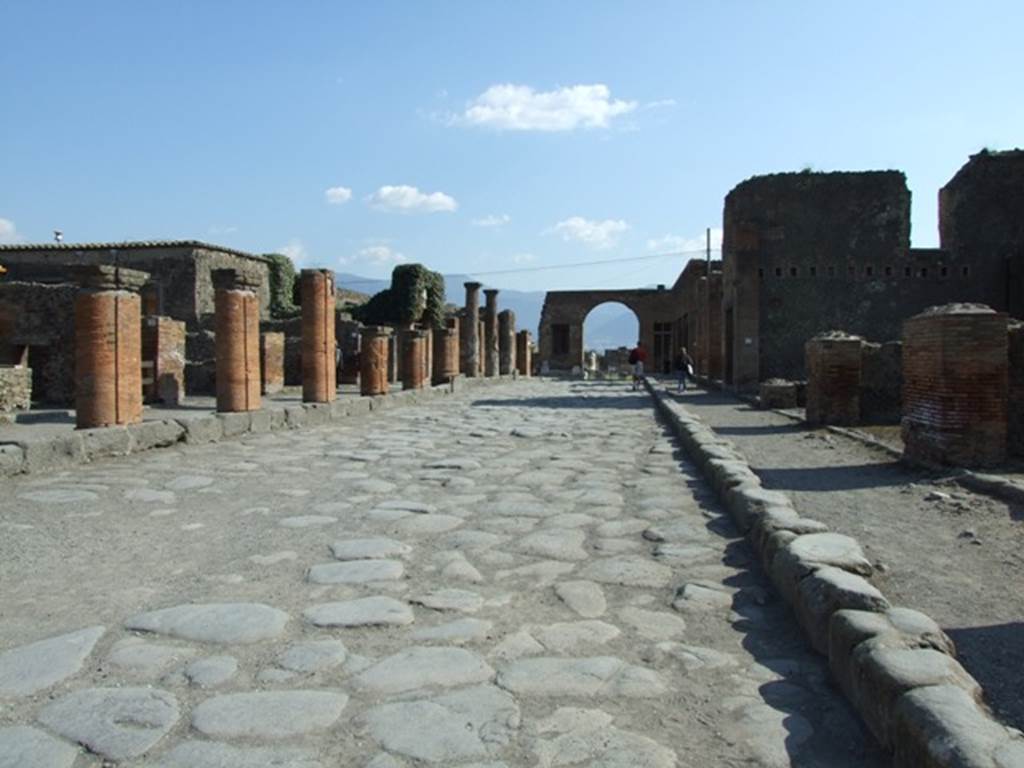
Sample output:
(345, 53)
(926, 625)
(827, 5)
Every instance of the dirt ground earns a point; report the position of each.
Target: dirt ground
(956, 555)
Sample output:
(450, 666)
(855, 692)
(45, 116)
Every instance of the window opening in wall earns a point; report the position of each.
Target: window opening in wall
(943, 271)
(924, 272)
(906, 271)
(793, 271)
(560, 339)
(814, 271)
(965, 271)
(831, 271)
(888, 271)
(778, 271)
(869, 271)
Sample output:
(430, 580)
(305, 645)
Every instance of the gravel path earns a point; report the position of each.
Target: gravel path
(530, 579)
(956, 555)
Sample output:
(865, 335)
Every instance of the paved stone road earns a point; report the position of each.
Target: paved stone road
(524, 578)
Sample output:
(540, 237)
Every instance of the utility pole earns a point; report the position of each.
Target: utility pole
(707, 320)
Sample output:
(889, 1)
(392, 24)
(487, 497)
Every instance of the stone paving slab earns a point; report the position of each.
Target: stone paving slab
(468, 648)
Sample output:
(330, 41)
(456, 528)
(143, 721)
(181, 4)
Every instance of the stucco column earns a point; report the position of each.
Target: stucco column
(319, 384)
(413, 353)
(506, 342)
(374, 368)
(108, 347)
(491, 333)
(470, 341)
(524, 353)
(237, 344)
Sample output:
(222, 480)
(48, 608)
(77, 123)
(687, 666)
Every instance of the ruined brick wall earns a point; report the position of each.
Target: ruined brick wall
(833, 379)
(163, 345)
(955, 385)
(981, 225)
(272, 362)
(1015, 414)
(881, 383)
(40, 319)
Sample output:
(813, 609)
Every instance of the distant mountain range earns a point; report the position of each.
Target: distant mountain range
(608, 327)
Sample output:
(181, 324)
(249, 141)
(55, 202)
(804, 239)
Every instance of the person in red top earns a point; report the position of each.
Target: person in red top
(637, 358)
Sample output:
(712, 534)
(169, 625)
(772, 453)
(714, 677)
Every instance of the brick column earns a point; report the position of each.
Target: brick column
(491, 333)
(833, 378)
(955, 385)
(470, 337)
(318, 343)
(272, 362)
(392, 358)
(373, 376)
(163, 348)
(237, 328)
(506, 342)
(482, 357)
(428, 354)
(413, 370)
(524, 354)
(108, 347)
(446, 352)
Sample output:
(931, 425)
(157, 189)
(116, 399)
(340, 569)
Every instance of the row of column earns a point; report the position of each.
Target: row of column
(108, 365)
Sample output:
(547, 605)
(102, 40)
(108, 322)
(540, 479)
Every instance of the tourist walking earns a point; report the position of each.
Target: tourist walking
(684, 368)
(637, 358)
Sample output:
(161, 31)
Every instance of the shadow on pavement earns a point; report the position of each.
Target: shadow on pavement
(825, 479)
(623, 402)
(994, 655)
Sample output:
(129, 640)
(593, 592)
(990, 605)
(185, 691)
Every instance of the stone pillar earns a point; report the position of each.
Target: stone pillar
(318, 344)
(272, 362)
(108, 347)
(482, 357)
(163, 352)
(491, 333)
(446, 352)
(413, 369)
(392, 358)
(833, 378)
(470, 337)
(524, 354)
(506, 342)
(237, 342)
(955, 386)
(428, 355)
(373, 376)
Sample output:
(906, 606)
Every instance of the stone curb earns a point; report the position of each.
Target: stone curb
(82, 446)
(895, 665)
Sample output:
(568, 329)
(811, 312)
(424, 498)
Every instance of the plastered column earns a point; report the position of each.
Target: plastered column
(470, 339)
(491, 333)
(108, 347)
(374, 369)
(319, 384)
(237, 327)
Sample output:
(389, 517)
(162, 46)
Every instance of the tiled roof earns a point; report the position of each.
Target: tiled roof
(134, 245)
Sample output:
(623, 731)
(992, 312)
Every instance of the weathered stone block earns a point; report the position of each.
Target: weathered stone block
(202, 429)
(272, 361)
(833, 379)
(828, 590)
(15, 388)
(12, 459)
(155, 434)
(778, 394)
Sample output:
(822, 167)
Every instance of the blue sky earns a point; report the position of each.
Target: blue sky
(480, 136)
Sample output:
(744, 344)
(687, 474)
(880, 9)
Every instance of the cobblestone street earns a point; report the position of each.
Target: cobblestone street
(529, 576)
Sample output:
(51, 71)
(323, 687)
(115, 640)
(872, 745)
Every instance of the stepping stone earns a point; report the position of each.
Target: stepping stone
(463, 725)
(450, 600)
(314, 656)
(567, 636)
(653, 625)
(25, 747)
(604, 676)
(211, 671)
(306, 521)
(209, 754)
(369, 549)
(268, 714)
(145, 659)
(423, 667)
(629, 571)
(584, 597)
(587, 737)
(356, 572)
(214, 622)
(59, 496)
(115, 723)
(563, 544)
(362, 612)
(33, 667)
(460, 631)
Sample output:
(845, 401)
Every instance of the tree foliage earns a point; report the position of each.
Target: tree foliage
(416, 295)
(282, 286)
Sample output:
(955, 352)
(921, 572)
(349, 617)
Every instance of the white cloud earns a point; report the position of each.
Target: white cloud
(596, 234)
(406, 199)
(676, 243)
(295, 251)
(337, 195)
(378, 255)
(9, 233)
(492, 220)
(520, 108)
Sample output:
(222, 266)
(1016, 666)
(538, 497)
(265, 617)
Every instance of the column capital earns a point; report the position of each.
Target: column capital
(107, 277)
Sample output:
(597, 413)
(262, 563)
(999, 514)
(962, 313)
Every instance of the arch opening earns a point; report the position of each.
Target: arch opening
(610, 330)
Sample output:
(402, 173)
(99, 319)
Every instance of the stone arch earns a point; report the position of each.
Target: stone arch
(598, 314)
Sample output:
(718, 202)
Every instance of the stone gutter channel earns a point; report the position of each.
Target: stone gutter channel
(86, 445)
(895, 665)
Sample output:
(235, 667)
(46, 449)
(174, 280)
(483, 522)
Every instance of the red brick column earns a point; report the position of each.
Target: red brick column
(470, 337)
(481, 358)
(237, 328)
(524, 354)
(108, 347)
(373, 376)
(413, 349)
(272, 362)
(833, 379)
(318, 343)
(955, 386)
(163, 347)
(446, 352)
(506, 342)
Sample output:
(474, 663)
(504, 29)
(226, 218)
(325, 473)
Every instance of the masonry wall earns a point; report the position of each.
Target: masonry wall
(955, 386)
(40, 319)
(833, 379)
(1015, 413)
(15, 389)
(881, 383)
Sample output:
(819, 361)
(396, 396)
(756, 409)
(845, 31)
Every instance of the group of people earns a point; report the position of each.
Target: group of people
(682, 365)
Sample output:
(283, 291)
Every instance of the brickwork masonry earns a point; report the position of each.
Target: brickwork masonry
(895, 665)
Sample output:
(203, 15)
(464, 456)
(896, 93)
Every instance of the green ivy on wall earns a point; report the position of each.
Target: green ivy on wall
(416, 295)
(282, 286)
